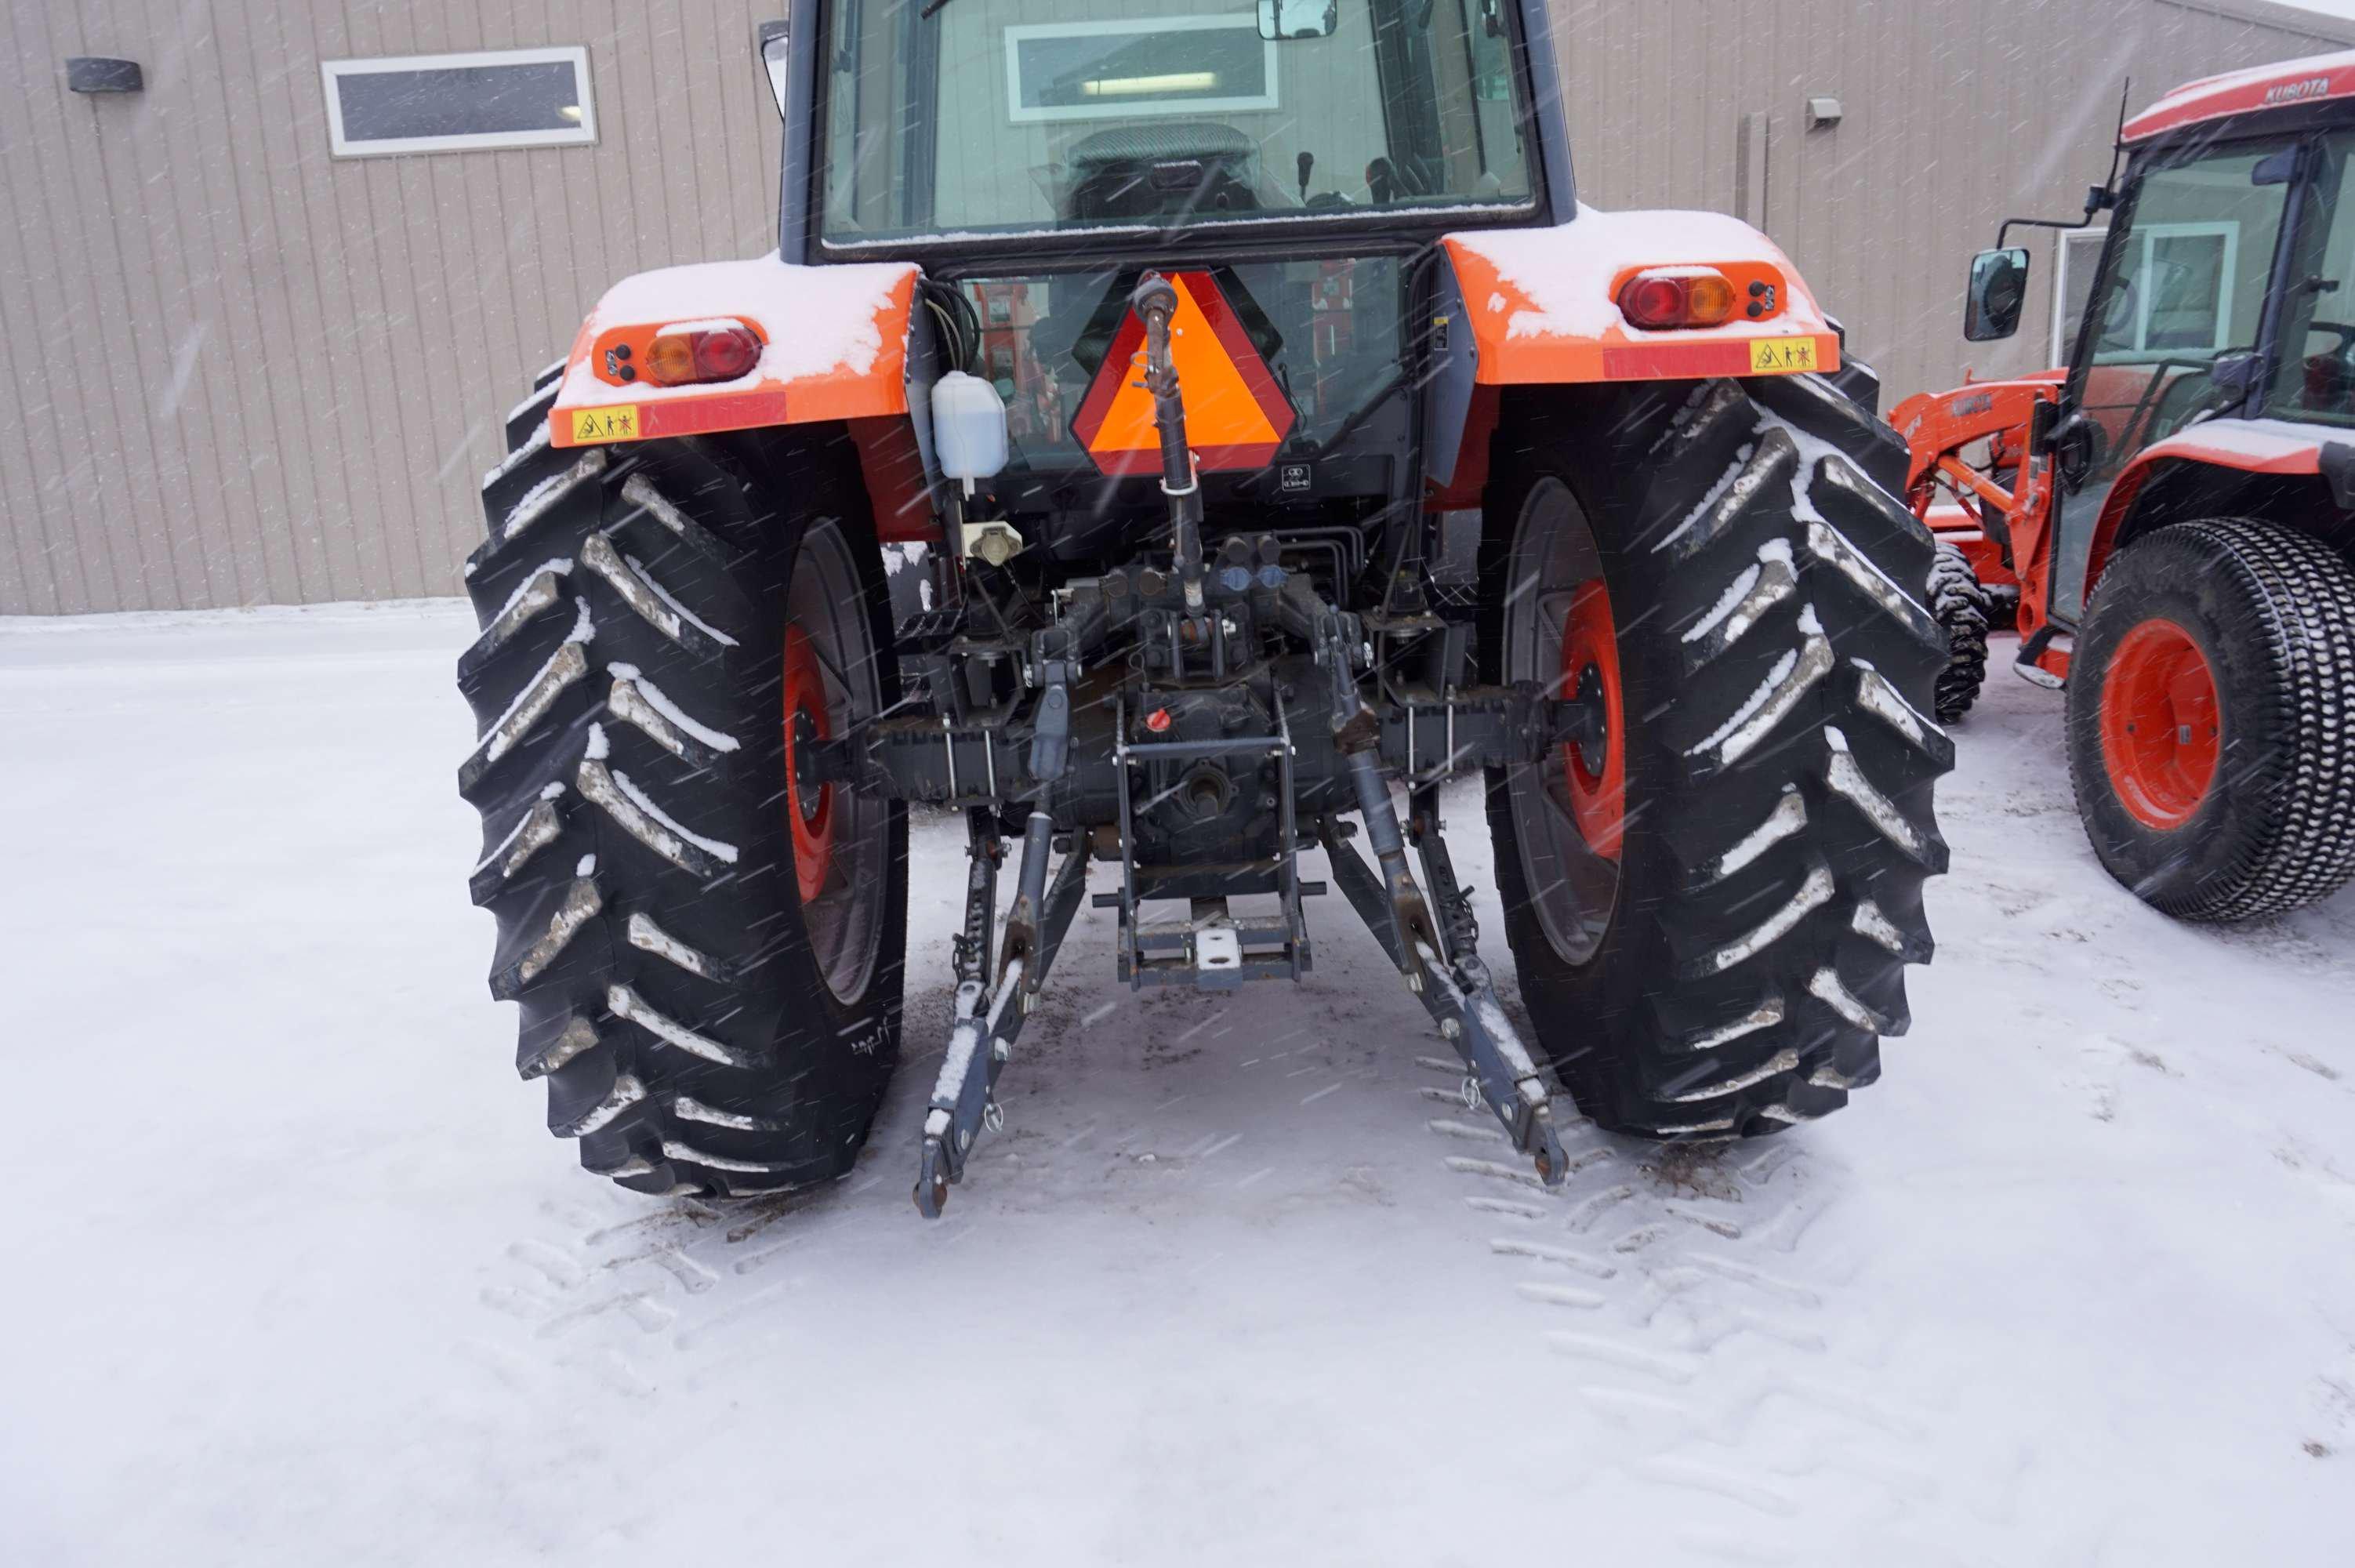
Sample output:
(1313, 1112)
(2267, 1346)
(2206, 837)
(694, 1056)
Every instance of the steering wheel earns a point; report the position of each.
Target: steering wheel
(1416, 175)
(1389, 178)
(2330, 382)
(2189, 399)
(2184, 400)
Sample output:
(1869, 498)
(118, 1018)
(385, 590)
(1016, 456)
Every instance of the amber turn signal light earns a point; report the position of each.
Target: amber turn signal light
(1661, 299)
(721, 352)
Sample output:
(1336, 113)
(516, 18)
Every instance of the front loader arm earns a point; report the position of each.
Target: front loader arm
(2014, 521)
(1937, 426)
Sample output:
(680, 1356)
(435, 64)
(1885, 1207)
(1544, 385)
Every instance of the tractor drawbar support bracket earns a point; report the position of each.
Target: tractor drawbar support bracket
(1457, 992)
(990, 1012)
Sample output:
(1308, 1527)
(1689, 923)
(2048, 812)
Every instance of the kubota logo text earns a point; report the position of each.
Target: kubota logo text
(2298, 91)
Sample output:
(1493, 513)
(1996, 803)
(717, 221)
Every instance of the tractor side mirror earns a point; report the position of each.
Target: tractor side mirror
(2078, 443)
(1281, 19)
(1998, 289)
(776, 51)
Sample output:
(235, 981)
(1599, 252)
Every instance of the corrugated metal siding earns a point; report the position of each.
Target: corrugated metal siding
(1957, 114)
(235, 370)
(240, 371)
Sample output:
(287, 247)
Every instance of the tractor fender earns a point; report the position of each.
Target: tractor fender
(1542, 304)
(834, 346)
(2261, 447)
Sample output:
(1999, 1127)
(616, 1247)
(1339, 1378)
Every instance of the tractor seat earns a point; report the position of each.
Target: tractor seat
(1129, 172)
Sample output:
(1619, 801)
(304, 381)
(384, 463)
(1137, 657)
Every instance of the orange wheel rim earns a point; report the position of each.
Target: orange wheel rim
(1597, 776)
(2161, 726)
(811, 817)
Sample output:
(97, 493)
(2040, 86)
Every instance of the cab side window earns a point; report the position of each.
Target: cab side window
(2316, 377)
(2186, 284)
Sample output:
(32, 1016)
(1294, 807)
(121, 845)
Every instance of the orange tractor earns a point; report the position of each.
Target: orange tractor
(1169, 443)
(2171, 515)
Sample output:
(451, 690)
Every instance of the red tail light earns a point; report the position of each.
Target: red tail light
(718, 352)
(1662, 298)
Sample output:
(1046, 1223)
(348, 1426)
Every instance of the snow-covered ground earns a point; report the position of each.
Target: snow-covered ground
(295, 1276)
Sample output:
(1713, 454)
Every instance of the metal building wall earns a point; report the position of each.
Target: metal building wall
(235, 370)
(1957, 114)
(240, 371)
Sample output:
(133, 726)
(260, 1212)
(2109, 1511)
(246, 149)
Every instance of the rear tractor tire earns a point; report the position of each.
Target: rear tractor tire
(707, 958)
(1960, 604)
(1711, 910)
(2211, 720)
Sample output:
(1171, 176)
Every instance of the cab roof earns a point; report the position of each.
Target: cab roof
(2282, 85)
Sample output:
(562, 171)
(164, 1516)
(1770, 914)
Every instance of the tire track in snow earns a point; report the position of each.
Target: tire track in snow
(1679, 1298)
(613, 1284)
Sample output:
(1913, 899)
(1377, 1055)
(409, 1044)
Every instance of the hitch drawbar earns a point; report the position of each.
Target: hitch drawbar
(1446, 973)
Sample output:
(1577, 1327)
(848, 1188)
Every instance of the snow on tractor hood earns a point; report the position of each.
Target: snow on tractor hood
(833, 345)
(2255, 446)
(2284, 84)
(1543, 302)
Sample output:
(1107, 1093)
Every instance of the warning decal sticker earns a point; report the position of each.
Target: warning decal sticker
(617, 422)
(1781, 355)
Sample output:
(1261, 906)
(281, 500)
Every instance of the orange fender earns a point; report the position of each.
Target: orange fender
(834, 347)
(2248, 446)
(1542, 304)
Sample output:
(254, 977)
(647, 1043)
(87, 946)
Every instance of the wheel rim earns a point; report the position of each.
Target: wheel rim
(2161, 724)
(840, 837)
(1568, 819)
(810, 811)
(1596, 772)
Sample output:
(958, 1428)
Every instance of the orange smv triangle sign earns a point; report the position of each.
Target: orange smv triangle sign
(1236, 416)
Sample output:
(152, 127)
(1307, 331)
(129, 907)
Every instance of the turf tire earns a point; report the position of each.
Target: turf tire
(2273, 613)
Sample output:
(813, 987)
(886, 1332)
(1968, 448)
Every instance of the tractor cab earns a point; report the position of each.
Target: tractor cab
(2220, 294)
(2203, 432)
(1285, 163)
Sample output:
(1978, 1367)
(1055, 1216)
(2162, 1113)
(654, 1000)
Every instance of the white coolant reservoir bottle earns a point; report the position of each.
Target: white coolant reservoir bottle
(968, 428)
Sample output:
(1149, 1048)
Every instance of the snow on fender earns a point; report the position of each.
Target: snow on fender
(833, 346)
(2259, 446)
(1542, 304)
